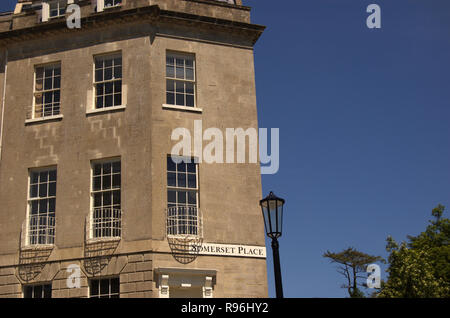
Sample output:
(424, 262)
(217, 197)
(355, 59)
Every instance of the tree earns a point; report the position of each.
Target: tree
(351, 264)
(421, 267)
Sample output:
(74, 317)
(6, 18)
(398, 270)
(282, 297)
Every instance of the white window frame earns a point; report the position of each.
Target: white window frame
(110, 293)
(101, 5)
(184, 56)
(30, 202)
(93, 192)
(43, 91)
(94, 81)
(185, 189)
(33, 290)
(45, 11)
(59, 4)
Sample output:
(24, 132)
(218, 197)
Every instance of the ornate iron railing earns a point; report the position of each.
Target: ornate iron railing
(184, 221)
(41, 230)
(104, 223)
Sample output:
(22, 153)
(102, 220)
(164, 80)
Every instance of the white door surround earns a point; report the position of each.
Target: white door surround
(185, 282)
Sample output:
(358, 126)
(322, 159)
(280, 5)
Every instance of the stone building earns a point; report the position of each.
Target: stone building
(91, 202)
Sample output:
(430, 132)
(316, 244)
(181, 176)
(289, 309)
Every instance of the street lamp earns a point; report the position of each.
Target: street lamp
(272, 210)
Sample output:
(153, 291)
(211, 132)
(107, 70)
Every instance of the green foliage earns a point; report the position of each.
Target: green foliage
(351, 263)
(421, 267)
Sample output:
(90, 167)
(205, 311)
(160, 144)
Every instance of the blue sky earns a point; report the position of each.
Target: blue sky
(364, 126)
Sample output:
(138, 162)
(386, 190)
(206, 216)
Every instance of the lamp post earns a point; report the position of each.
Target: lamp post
(272, 210)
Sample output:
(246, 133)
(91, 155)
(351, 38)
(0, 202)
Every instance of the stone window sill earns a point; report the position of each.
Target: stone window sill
(38, 247)
(43, 119)
(183, 108)
(106, 110)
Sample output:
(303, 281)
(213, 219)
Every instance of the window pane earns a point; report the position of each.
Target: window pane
(34, 207)
(99, 75)
(108, 62)
(192, 198)
(28, 292)
(171, 196)
(191, 167)
(116, 166)
(109, 88)
(51, 205)
(43, 190)
(190, 88)
(170, 71)
(37, 291)
(106, 182)
(57, 82)
(170, 60)
(48, 291)
(170, 99)
(107, 168)
(117, 86)
(107, 198)
(104, 287)
(33, 191)
(115, 286)
(94, 288)
(97, 200)
(171, 179)
(39, 84)
(180, 62)
(48, 72)
(34, 177)
(189, 62)
(171, 166)
(43, 206)
(108, 101)
(117, 99)
(170, 85)
(116, 181)
(180, 72)
(43, 176)
(98, 63)
(181, 167)
(100, 89)
(97, 169)
(118, 72)
(39, 72)
(190, 100)
(52, 189)
(192, 181)
(108, 74)
(48, 83)
(181, 180)
(180, 99)
(52, 175)
(179, 87)
(99, 103)
(117, 60)
(56, 96)
(116, 198)
(190, 74)
(97, 183)
(181, 197)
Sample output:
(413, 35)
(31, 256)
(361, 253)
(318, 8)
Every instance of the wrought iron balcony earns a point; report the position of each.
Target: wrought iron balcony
(104, 223)
(184, 222)
(40, 230)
